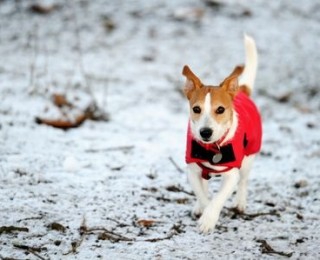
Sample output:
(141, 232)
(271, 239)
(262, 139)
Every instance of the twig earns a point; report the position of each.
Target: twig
(120, 224)
(174, 188)
(114, 237)
(76, 244)
(10, 229)
(176, 229)
(107, 234)
(31, 218)
(247, 216)
(265, 248)
(175, 165)
(34, 38)
(110, 237)
(32, 250)
(79, 49)
(153, 240)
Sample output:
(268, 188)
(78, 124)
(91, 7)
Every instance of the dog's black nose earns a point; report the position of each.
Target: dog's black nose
(206, 133)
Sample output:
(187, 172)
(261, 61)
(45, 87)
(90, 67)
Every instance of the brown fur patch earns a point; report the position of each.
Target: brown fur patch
(245, 89)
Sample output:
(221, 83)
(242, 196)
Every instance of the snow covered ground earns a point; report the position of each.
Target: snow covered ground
(115, 190)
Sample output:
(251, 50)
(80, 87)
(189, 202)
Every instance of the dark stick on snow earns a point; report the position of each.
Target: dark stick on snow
(10, 229)
(120, 224)
(247, 216)
(175, 165)
(76, 244)
(265, 248)
(110, 234)
(153, 240)
(31, 250)
(174, 188)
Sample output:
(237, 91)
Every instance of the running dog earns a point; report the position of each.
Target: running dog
(224, 135)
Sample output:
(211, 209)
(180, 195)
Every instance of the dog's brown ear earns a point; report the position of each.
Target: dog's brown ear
(237, 71)
(192, 83)
(231, 85)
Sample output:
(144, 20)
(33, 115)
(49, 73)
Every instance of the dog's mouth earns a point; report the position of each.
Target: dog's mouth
(206, 140)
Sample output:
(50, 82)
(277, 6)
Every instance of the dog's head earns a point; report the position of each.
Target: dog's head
(211, 109)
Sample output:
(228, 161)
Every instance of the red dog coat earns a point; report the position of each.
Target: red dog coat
(246, 141)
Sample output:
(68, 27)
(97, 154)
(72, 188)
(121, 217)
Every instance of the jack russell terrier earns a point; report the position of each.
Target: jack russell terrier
(224, 134)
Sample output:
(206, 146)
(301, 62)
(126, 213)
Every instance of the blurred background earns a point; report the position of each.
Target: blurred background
(92, 117)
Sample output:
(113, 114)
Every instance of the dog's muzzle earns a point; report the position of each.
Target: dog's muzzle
(206, 133)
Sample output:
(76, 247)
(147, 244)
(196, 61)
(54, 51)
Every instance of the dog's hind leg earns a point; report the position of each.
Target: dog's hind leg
(241, 197)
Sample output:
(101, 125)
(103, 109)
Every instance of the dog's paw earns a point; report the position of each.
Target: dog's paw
(240, 205)
(197, 210)
(240, 201)
(239, 209)
(208, 220)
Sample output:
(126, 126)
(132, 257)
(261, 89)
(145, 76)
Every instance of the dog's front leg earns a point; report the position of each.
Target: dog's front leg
(211, 214)
(200, 188)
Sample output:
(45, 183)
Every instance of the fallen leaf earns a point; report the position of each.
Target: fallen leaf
(60, 100)
(146, 222)
(62, 123)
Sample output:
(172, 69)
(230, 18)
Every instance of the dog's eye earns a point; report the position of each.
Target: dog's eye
(196, 109)
(220, 110)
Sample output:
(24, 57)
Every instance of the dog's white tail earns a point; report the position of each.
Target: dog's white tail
(249, 73)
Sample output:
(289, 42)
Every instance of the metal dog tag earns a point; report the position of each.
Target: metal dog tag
(217, 158)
